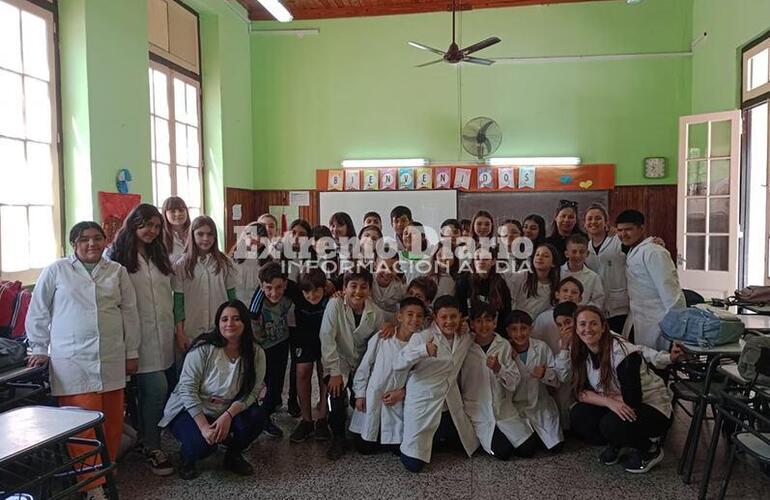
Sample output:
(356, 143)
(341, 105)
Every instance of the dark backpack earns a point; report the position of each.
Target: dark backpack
(12, 354)
(754, 363)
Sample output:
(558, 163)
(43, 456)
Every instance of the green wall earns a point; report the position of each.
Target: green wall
(353, 91)
(716, 66)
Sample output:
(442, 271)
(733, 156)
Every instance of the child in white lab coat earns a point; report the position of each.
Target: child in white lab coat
(532, 291)
(544, 327)
(379, 414)
(249, 256)
(536, 365)
(433, 407)
(177, 226)
(488, 379)
(576, 252)
(388, 288)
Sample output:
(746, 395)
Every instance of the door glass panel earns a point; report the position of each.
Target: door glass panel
(719, 253)
(719, 215)
(696, 253)
(696, 140)
(696, 215)
(756, 239)
(696, 178)
(720, 138)
(758, 66)
(719, 180)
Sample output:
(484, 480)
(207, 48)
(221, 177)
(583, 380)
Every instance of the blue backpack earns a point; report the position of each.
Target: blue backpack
(703, 327)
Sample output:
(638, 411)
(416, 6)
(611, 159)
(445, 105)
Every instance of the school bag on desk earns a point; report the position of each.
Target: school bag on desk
(751, 296)
(702, 325)
(754, 363)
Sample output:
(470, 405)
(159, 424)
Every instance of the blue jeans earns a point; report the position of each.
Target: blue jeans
(244, 429)
(153, 389)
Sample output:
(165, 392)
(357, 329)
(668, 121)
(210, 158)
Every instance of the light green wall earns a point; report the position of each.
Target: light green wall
(353, 91)
(717, 60)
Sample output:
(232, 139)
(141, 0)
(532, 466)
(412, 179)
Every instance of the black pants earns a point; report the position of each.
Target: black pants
(503, 449)
(446, 436)
(275, 373)
(617, 322)
(338, 410)
(598, 425)
(292, 376)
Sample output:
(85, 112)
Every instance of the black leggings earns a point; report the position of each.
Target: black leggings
(338, 410)
(503, 449)
(598, 425)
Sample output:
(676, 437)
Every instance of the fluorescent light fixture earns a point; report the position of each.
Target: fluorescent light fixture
(277, 10)
(386, 162)
(535, 160)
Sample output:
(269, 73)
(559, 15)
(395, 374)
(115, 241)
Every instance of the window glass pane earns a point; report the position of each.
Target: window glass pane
(10, 37)
(152, 91)
(758, 66)
(181, 144)
(12, 171)
(194, 177)
(193, 152)
(182, 186)
(180, 113)
(42, 244)
(164, 182)
(162, 147)
(719, 181)
(696, 215)
(719, 215)
(38, 183)
(38, 110)
(34, 34)
(192, 105)
(14, 239)
(152, 138)
(696, 140)
(696, 253)
(696, 178)
(719, 253)
(194, 212)
(160, 95)
(720, 138)
(11, 105)
(756, 241)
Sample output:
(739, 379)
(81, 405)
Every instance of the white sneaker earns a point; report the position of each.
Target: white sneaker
(96, 494)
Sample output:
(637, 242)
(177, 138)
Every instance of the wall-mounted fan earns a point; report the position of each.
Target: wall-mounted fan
(481, 137)
(455, 54)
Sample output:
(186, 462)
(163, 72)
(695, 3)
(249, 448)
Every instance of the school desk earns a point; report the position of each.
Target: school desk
(756, 322)
(21, 385)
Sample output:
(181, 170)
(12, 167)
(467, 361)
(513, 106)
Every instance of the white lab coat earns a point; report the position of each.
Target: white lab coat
(430, 383)
(593, 290)
(246, 279)
(154, 301)
(532, 397)
(488, 396)
(517, 284)
(342, 342)
(544, 328)
(87, 323)
(373, 378)
(653, 290)
(610, 264)
(203, 293)
(177, 248)
(387, 298)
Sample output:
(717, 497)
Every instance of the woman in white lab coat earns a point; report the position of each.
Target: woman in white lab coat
(433, 408)
(538, 371)
(488, 379)
(140, 249)
(203, 279)
(177, 226)
(83, 318)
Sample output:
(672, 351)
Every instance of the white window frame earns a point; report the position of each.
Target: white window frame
(746, 69)
(30, 275)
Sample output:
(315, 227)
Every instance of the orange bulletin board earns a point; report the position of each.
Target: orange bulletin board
(596, 177)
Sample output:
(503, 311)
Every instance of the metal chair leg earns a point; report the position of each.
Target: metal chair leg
(712, 451)
(693, 437)
(112, 490)
(728, 472)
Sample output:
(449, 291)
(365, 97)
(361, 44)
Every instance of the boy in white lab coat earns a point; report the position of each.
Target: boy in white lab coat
(379, 413)
(576, 252)
(536, 365)
(653, 283)
(388, 287)
(488, 379)
(544, 327)
(348, 324)
(433, 407)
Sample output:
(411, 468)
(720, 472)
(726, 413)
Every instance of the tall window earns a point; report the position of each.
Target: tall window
(30, 215)
(175, 94)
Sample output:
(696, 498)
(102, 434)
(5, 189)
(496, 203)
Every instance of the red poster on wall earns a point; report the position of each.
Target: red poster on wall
(115, 208)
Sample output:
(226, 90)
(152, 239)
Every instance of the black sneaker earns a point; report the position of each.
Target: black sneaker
(188, 471)
(236, 464)
(322, 432)
(639, 462)
(293, 408)
(336, 448)
(159, 463)
(273, 430)
(609, 455)
(302, 432)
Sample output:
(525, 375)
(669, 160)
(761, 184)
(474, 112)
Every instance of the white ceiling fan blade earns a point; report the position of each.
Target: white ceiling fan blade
(480, 45)
(429, 63)
(425, 47)
(478, 60)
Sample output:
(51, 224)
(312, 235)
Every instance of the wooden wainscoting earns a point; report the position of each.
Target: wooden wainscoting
(657, 203)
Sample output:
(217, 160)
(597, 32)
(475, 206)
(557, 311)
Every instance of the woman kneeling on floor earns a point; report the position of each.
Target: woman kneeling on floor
(213, 402)
(621, 402)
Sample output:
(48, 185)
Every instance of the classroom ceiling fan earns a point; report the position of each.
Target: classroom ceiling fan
(455, 54)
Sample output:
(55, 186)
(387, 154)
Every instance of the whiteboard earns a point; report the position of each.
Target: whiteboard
(430, 208)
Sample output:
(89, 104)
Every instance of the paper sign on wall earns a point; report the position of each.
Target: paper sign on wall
(405, 178)
(237, 212)
(527, 177)
(371, 179)
(443, 178)
(486, 179)
(352, 180)
(462, 178)
(299, 198)
(505, 178)
(388, 178)
(335, 180)
(423, 178)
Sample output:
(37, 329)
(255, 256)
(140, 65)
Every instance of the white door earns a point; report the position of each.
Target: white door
(708, 201)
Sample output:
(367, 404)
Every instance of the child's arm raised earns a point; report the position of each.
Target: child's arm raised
(508, 375)
(414, 351)
(550, 377)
